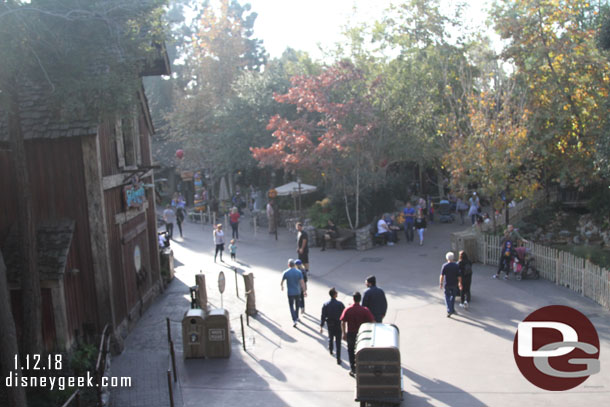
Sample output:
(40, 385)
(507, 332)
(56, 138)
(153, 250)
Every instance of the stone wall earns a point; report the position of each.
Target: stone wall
(364, 240)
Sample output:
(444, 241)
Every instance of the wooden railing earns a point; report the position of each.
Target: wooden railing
(563, 268)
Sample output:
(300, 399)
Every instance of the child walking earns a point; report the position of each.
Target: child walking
(233, 249)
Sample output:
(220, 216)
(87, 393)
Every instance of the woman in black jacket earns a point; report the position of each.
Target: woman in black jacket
(466, 272)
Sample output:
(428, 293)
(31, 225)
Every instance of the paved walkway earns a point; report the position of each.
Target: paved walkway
(466, 360)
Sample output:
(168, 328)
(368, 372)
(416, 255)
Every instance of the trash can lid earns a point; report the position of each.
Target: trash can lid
(195, 312)
(218, 312)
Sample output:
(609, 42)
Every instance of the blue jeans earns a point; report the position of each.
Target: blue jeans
(293, 302)
(450, 293)
(409, 231)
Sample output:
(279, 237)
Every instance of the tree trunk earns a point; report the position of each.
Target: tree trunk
(30, 281)
(440, 181)
(356, 224)
(8, 342)
(421, 178)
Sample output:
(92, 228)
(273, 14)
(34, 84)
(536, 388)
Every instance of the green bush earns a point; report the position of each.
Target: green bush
(320, 212)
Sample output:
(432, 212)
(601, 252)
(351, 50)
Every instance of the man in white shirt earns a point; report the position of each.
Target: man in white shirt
(169, 216)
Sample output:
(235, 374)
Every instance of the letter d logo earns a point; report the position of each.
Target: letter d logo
(556, 348)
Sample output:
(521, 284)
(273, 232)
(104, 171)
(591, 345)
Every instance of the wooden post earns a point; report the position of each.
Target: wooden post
(172, 354)
(236, 287)
(558, 269)
(255, 225)
(485, 250)
(243, 336)
(169, 386)
(226, 222)
(169, 332)
(209, 214)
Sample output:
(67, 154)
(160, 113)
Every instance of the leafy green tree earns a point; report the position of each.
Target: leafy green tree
(422, 86)
(552, 44)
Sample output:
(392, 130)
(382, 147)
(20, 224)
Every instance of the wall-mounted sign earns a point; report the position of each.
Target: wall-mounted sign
(135, 194)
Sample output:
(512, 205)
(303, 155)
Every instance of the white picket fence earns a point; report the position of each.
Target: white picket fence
(555, 265)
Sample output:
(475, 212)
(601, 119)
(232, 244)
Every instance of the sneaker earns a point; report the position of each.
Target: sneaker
(338, 361)
(494, 276)
(506, 277)
(421, 243)
(295, 324)
(462, 305)
(352, 373)
(466, 304)
(448, 314)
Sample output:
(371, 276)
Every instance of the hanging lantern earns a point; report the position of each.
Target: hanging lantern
(180, 153)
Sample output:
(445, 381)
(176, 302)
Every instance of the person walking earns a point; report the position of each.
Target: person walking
(474, 208)
(303, 246)
(299, 265)
(234, 221)
(374, 299)
(294, 285)
(331, 314)
(465, 266)
(409, 212)
(351, 319)
(233, 249)
(420, 225)
(461, 208)
(271, 216)
(219, 241)
(169, 216)
(450, 275)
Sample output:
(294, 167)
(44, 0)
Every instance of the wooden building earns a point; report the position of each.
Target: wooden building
(94, 207)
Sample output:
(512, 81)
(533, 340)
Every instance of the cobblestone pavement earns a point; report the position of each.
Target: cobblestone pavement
(466, 360)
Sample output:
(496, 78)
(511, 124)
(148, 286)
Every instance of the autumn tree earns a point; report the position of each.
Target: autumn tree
(222, 48)
(334, 131)
(494, 152)
(552, 45)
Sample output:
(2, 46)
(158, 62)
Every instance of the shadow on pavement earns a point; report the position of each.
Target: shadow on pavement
(439, 390)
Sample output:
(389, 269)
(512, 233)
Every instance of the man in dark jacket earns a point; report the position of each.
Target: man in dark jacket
(374, 299)
(331, 314)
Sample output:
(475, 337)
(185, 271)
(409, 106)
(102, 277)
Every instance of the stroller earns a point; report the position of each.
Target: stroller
(444, 211)
(524, 265)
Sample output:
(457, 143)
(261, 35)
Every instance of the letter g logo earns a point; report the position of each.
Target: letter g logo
(556, 348)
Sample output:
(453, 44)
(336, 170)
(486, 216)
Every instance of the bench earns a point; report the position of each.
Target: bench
(343, 235)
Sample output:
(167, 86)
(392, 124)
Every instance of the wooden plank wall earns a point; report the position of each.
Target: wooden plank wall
(58, 184)
(8, 203)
